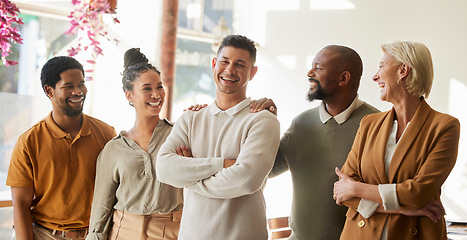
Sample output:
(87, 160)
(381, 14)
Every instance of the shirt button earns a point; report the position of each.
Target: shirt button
(361, 223)
(413, 231)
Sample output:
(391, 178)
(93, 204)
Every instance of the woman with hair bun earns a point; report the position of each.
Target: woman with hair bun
(129, 201)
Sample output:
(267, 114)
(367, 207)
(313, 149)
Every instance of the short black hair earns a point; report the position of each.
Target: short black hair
(349, 61)
(242, 42)
(52, 69)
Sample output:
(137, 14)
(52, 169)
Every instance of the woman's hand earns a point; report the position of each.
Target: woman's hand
(433, 210)
(183, 151)
(343, 189)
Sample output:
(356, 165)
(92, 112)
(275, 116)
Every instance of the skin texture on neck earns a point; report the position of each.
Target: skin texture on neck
(144, 126)
(405, 109)
(70, 125)
(340, 103)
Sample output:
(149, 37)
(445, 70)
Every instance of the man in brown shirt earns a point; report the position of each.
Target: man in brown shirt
(53, 164)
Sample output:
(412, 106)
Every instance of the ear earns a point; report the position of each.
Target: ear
(404, 70)
(213, 63)
(253, 72)
(345, 78)
(49, 91)
(128, 96)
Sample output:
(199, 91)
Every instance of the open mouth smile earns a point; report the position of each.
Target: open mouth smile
(228, 79)
(76, 100)
(154, 104)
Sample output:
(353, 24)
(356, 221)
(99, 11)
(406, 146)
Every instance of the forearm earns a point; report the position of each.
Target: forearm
(235, 181)
(366, 191)
(184, 171)
(254, 162)
(104, 198)
(280, 165)
(22, 200)
(101, 214)
(23, 223)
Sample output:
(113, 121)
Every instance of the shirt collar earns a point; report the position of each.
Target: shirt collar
(341, 117)
(59, 133)
(231, 111)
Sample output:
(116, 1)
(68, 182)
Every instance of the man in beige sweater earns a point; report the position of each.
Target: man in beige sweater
(222, 154)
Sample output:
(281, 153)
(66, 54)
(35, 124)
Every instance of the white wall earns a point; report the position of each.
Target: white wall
(289, 33)
(140, 26)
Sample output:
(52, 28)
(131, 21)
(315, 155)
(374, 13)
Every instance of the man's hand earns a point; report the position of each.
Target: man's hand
(263, 103)
(183, 151)
(196, 107)
(229, 162)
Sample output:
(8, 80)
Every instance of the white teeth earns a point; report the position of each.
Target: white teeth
(154, 104)
(76, 100)
(228, 79)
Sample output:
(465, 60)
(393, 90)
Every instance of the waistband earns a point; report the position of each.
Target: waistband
(174, 215)
(79, 233)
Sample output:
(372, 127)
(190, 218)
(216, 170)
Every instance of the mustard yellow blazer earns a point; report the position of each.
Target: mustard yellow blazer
(423, 159)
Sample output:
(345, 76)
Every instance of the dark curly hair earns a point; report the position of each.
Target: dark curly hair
(239, 41)
(52, 69)
(134, 63)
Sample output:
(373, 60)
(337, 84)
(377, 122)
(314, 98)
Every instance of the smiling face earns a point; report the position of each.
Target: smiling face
(387, 78)
(148, 94)
(69, 93)
(324, 75)
(232, 69)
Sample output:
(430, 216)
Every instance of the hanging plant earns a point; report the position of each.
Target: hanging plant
(9, 29)
(87, 17)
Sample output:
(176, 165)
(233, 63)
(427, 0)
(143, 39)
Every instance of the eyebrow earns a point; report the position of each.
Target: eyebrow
(239, 60)
(148, 84)
(317, 63)
(70, 83)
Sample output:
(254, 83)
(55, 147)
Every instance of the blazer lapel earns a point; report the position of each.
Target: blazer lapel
(380, 146)
(409, 137)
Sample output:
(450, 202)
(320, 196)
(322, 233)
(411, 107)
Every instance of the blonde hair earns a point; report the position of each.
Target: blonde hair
(418, 57)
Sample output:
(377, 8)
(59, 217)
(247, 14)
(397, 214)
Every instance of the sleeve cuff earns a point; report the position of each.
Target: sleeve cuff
(366, 208)
(388, 194)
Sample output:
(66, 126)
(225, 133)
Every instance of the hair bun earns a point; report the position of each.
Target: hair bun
(134, 56)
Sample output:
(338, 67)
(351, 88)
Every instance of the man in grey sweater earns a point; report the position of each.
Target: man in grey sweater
(320, 139)
(222, 154)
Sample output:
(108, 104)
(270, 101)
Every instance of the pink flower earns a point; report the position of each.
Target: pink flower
(87, 16)
(9, 18)
(73, 51)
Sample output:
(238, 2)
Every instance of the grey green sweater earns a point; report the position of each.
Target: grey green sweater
(311, 150)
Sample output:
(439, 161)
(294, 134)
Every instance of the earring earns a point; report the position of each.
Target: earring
(131, 104)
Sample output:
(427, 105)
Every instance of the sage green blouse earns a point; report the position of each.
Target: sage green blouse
(126, 180)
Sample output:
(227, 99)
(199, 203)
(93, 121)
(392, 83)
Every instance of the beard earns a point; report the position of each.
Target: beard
(70, 111)
(317, 94)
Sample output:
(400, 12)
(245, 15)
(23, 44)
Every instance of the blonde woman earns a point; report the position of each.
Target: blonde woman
(392, 178)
